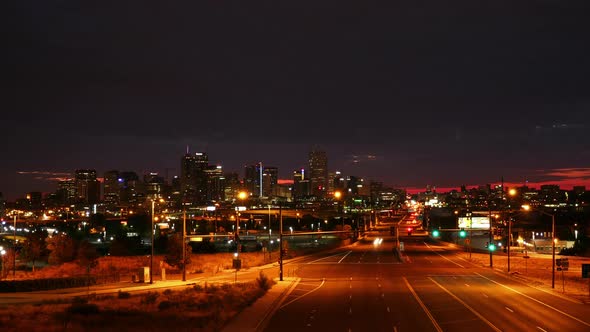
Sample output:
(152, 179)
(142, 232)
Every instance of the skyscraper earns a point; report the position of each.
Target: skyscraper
(318, 169)
(253, 179)
(87, 186)
(193, 179)
(270, 179)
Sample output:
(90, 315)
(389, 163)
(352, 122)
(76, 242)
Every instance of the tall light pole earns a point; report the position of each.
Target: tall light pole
(280, 243)
(269, 231)
(242, 195)
(183, 243)
(490, 233)
(511, 193)
(338, 197)
(14, 249)
(527, 208)
(152, 234)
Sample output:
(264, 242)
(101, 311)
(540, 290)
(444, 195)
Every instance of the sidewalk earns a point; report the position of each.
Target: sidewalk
(255, 317)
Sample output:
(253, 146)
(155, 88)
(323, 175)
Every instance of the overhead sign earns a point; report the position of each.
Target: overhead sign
(474, 222)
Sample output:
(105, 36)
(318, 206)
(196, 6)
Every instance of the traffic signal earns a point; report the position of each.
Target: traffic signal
(492, 247)
(462, 233)
(435, 233)
(410, 230)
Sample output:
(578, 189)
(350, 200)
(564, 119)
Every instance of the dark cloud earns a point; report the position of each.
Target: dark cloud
(458, 90)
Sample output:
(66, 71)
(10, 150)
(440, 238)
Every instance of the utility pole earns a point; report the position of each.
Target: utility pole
(183, 243)
(280, 243)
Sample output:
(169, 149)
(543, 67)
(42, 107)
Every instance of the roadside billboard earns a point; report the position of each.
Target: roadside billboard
(474, 222)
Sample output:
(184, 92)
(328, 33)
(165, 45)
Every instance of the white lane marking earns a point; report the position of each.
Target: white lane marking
(395, 329)
(541, 329)
(321, 259)
(300, 297)
(531, 298)
(350, 311)
(443, 256)
(467, 285)
(388, 309)
(509, 309)
(466, 306)
(485, 295)
(436, 326)
(348, 253)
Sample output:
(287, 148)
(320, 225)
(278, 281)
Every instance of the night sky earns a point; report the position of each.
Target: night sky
(437, 92)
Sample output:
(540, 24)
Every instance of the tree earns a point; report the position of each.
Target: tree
(34, 247)
(174, 252)
(87, 255)
(62, 249)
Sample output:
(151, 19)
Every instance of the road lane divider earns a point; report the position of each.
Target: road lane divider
(532, 298)
(466, 305)
(428, 313)
(443, 256)
(304, 295)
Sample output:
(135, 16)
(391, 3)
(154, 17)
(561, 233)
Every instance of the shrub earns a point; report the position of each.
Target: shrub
(124, 295)
(83, 309)
(150, 298)
(165, 305)
(264, 282)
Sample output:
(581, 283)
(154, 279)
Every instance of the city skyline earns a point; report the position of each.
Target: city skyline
(47, 181)
(410, 95)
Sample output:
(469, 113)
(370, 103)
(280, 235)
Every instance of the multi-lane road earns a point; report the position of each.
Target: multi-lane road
(365, 287)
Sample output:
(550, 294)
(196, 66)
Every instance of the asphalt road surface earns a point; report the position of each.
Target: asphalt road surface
(365, 287)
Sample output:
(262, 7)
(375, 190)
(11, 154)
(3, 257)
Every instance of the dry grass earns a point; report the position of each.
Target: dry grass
(201, 308)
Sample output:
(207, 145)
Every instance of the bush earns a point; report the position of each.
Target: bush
(124, 295)
(165, 305)
(150, 298)
(264, 282)
(83, 309)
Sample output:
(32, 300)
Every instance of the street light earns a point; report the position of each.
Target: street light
(242, 195)
(152, 231)
(338, 196)
(2, 253)
(528, 208)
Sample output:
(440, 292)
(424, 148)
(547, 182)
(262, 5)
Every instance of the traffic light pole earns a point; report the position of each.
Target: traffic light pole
(280, 243)
(490, 234)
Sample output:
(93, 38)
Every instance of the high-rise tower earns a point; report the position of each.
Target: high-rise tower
(318, 172)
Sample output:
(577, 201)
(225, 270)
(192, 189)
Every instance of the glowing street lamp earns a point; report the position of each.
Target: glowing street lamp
(242, 195)
(528, 208)
(154, 218)
(338, 196)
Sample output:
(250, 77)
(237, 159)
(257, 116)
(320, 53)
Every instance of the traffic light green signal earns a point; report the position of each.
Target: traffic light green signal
(435, 233)
(492, 247)
(462, 233)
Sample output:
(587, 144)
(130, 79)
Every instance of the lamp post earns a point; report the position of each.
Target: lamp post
(338, 196)
(2, 253)
(527, 208)
(269, 231)
(14, 247)
(183, 243)
(152, 253)
(242, 195)
(280, 242)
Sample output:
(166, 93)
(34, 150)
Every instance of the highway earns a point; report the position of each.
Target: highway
(365, 287)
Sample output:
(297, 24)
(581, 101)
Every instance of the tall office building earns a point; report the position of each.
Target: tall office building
(87, 186)
(301, 186)
(215, 183)
(253, 179)
(318, 172)
(111, 187)
(193, 179)
(66, 191)
(270, 180)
